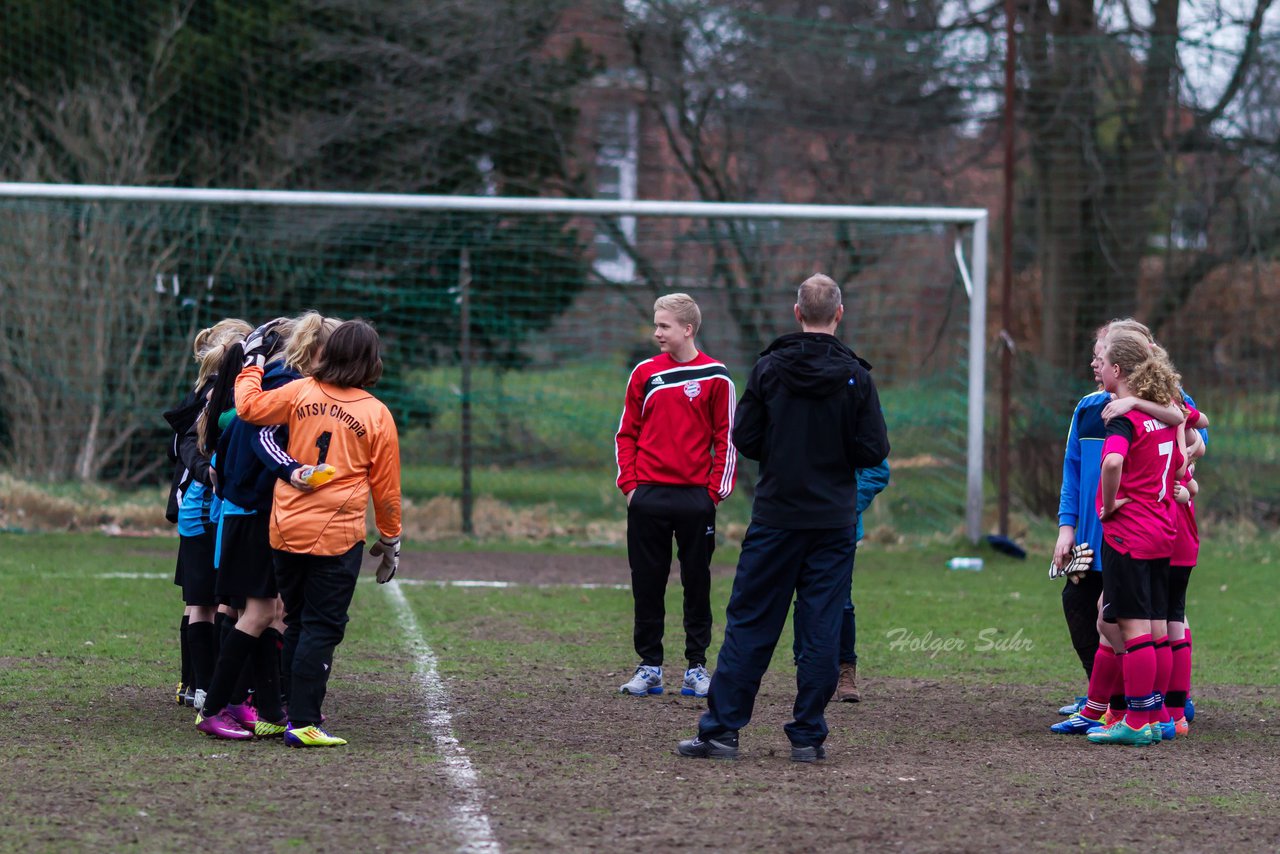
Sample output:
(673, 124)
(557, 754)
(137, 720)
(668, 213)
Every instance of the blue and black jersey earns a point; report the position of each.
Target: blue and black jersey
(250, 458)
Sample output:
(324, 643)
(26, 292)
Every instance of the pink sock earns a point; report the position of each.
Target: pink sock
(1187, 639)
(1164, 667)
(1179, 678)
(1106, 669)
(1139, 677)
(1117, 682)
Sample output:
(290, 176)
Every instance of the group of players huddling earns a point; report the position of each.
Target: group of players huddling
(1127, 498)
(270, 547)
(276, 451)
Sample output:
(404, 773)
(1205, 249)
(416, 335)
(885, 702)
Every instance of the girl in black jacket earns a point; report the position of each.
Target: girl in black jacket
(192, 507)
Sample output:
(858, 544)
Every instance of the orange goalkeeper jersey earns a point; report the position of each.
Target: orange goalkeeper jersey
(347, 428)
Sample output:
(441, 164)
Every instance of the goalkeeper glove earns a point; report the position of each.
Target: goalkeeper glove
(263, 343)
(387, 548)
(1079, 560)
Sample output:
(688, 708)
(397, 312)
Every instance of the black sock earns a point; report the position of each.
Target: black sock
(236, 651)
(186, 678)
(1118, 703)
(203, 654)
(222, 624)
(286, 675)
(247, 681)
(266, 666)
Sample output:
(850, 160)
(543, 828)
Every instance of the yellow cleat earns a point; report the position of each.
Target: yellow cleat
(266, 729)
(311, 736)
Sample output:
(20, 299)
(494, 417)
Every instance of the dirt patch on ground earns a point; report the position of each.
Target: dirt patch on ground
(917, 766)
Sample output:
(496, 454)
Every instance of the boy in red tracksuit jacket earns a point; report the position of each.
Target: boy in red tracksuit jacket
(676, 462)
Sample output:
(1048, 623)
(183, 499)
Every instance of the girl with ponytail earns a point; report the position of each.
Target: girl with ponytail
(194, 508)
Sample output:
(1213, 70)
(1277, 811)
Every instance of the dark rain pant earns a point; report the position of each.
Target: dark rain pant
(814, 566)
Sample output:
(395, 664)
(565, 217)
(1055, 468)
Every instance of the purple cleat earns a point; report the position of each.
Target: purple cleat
(244, 714)
(222, 725)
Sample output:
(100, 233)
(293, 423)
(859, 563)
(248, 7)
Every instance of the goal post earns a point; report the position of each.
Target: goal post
(967, 226)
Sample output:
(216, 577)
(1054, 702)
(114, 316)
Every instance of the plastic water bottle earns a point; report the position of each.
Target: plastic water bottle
(974, 563)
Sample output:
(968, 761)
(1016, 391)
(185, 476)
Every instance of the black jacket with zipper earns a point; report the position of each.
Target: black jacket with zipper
(188, 463)
(811, 416)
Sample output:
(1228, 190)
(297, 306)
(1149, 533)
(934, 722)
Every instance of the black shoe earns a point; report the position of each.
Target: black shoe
(723, 747)
(189, 696)
(808, 752)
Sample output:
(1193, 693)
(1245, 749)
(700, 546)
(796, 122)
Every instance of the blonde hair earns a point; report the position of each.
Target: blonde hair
(1148, 372)
(683, 307)
(210, 344)
(1126, 324)
(819, 298)
(309, 334)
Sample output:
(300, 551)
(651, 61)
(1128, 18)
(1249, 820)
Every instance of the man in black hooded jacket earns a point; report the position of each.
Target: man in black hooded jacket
(811, 416)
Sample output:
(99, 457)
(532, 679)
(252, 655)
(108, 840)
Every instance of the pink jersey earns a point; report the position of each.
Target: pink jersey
(1143, 528)
(1186, 542)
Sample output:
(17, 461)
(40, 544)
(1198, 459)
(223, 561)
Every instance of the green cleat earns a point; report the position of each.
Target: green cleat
(266, 729)
(1120, 733)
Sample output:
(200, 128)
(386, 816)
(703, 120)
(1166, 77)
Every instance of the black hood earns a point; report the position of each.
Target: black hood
(813, 364)
(183, 416)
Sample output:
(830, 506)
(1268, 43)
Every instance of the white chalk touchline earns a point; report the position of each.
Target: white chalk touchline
(134, 575)
(413, 582)
(469, 815)
(505, 585)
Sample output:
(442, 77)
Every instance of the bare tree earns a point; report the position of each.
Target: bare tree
(86, 293)
(1112, 118)
(791, 101)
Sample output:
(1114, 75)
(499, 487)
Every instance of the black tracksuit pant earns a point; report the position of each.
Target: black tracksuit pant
(657, 513)
(317, 592)
(1080, 607)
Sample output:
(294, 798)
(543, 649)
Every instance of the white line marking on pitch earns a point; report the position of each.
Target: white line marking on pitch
(473, 824)
(511, 585)
(469, 816)
(413, 582)
(134, 575)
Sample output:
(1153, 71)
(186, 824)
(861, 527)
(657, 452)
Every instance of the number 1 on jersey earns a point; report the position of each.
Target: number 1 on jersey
(323, 444)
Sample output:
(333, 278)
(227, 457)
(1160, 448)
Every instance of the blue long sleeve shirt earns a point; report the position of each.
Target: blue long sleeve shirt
(871, 482)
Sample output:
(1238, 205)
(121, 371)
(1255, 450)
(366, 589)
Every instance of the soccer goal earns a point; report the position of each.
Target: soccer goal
(510, 323)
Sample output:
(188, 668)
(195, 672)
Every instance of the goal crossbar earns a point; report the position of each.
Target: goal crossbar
(973, 220)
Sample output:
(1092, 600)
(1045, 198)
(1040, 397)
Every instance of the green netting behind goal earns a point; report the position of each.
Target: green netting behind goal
(99, 302)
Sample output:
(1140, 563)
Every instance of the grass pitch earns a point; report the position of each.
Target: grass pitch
(961, 672)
